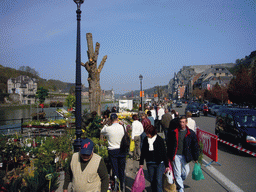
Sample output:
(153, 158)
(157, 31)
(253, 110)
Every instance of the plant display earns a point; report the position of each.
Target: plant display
(32, 164)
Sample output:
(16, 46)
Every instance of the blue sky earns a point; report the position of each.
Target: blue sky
(154, 38)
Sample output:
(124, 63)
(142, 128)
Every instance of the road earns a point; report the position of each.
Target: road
(239, 169)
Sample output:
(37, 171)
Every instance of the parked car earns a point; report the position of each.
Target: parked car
(194, 109)
(215, 109)
(238, 126)
(178, 104)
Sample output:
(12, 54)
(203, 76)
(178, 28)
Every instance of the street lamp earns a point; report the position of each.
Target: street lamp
(78, 133)
(141, 77)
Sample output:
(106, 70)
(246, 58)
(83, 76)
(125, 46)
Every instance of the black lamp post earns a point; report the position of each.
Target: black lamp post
(141, 77)
(77, 142)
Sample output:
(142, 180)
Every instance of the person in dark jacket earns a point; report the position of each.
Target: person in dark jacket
(154, 152)
(182, 147)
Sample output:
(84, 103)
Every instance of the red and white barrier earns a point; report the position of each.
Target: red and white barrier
(237, 147)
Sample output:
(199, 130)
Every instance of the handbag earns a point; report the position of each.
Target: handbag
(139, 183)
(125, 143)
(132, 145)
(169, 180)
(197, 173)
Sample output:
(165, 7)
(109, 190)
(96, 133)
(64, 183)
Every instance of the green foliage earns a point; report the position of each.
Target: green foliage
(41, 94)
(70, 101)
(91, 124)
(39, 183)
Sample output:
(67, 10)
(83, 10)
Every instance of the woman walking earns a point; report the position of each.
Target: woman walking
(154, 152)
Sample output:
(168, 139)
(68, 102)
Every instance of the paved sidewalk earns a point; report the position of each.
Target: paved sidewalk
(210, 184)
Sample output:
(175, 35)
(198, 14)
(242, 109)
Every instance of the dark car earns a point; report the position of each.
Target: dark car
(238, 126)
(194, 109)
(178, 104)
(215, 109)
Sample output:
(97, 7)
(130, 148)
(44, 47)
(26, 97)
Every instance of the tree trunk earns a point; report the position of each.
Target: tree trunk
(94, 74)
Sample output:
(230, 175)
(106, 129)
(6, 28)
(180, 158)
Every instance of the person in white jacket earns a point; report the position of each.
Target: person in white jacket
(191, 122)
(137, 130)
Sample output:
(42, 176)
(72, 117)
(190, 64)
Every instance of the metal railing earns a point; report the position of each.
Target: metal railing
(11, 126)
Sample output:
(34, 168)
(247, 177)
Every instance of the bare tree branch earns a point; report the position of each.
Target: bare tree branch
(96, 53)
(90, 45)
(102, 63)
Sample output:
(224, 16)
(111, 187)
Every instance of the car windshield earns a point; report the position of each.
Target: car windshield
(192, 107)
(246, 120)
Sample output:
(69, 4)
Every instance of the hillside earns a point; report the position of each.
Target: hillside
(162, 90)
(52, 85)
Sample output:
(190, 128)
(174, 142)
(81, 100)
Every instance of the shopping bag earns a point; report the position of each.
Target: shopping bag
(197, 173)
(167, 187)
(168, 181)
(132, 145)
(139, 183)
(169, 175)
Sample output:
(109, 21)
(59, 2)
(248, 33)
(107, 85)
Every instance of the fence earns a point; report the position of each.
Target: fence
(15, 125)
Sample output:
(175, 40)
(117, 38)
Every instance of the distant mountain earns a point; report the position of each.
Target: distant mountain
(160, 90)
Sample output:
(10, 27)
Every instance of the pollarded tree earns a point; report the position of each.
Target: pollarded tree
(94, 74)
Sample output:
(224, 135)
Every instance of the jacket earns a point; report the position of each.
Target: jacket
(166, 119)
(190, 145)
(159, 150)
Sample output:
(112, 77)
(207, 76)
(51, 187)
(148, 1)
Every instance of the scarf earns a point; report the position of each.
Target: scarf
(150, 142)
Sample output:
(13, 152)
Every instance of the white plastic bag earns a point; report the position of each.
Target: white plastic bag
(169, 175)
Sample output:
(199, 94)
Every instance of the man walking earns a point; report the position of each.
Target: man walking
(114, 134)
(87, 170)
(165, 122)
(137, 130)
(182, 147)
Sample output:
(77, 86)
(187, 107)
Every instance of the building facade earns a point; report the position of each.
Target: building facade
(23, 86)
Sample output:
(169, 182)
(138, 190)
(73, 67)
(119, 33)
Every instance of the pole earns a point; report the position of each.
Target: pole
(141, 95)
(78, 88)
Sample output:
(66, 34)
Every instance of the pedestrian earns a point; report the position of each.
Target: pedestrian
(113, 110)
(173, 112)
(137, 130)
(191, 122)
(145, 122)
(153, 112)
(165, 122)
(154, 152)
(182, 147)
(87, 170)
(108, 111)
(151, 119)
(160, 113)
(114, 134)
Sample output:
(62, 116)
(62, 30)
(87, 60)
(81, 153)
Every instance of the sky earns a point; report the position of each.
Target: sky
(154, 38)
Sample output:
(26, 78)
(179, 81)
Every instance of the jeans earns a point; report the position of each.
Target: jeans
(181, 170)
(118, 162)
(155, 173)
(165, 134)
(142, 137)
(136, 152)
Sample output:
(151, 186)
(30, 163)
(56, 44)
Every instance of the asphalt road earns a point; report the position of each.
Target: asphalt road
(239, 169)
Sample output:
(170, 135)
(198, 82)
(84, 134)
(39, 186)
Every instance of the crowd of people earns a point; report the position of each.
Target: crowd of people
(88, 171)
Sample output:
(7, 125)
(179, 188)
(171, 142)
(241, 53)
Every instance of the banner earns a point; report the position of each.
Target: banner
(210, 142)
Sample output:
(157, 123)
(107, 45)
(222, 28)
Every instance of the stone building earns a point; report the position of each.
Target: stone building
(201, 76)
(24, 88)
